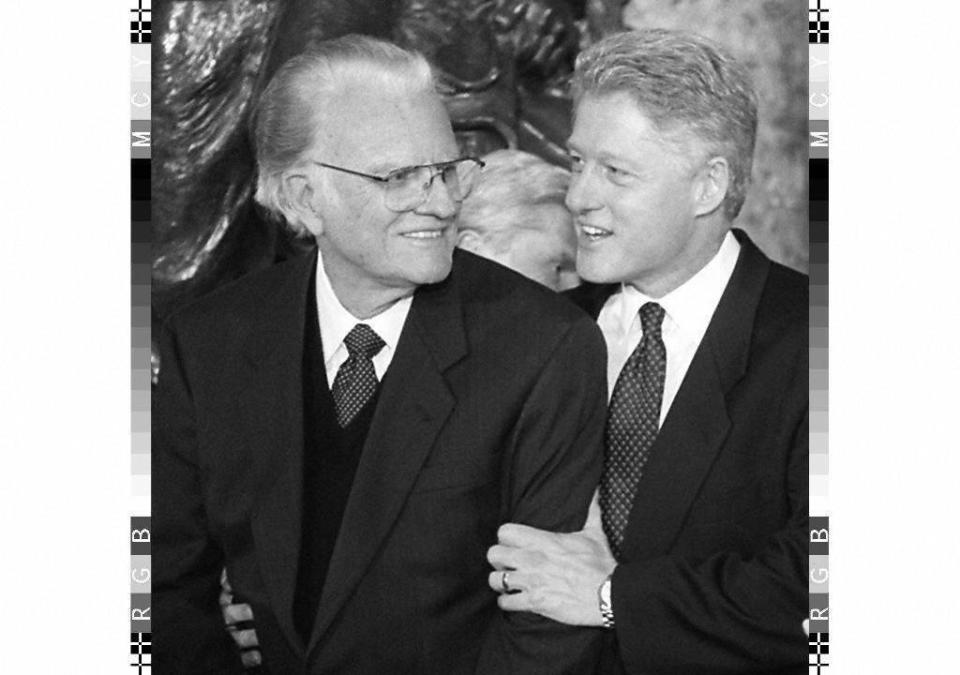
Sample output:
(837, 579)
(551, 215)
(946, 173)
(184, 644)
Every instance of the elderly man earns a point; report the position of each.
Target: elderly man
(517, 217)
(695, 561)
(344, 432)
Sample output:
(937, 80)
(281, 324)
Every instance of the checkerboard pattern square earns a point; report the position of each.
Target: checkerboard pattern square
(819, 22)
(140, 652)
(140, 22)
(819, 648)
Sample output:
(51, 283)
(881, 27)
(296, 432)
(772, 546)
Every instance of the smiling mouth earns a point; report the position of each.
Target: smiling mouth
(424, 234)
(594, 233)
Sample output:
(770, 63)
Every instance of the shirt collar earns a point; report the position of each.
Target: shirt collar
(336, 320)
(690, 306)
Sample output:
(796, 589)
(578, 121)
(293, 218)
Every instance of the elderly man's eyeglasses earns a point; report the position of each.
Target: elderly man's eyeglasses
(408, 187)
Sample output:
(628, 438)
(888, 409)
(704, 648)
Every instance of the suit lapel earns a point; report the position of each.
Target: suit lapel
(692, 433)
(413, 406)
(698, 423)
(271, 402)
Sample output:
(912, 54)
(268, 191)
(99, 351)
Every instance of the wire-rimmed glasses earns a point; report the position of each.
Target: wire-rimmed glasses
(407, 188)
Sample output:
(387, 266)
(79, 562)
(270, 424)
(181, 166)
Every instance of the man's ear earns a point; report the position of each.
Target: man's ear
(469, 240)
(302, 199)
(711, 186)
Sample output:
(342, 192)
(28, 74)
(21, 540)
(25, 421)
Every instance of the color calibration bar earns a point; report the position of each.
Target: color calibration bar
(140, 367)
(140, 141)
(819, 543)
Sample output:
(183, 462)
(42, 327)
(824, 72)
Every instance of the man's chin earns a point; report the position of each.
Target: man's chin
(595, 271)
(433, 273)
(435, 278)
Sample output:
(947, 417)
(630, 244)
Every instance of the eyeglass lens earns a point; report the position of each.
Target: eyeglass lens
(408, 189)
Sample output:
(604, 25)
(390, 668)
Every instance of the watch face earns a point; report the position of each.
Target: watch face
(605, 591)
(606, 606)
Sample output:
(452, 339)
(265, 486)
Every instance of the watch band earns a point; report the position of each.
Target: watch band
(606, 603)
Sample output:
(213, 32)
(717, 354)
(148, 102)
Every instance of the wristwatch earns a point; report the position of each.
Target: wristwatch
(606, 603)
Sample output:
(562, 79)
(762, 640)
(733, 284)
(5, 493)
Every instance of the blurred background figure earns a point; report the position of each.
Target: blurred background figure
(516, 217)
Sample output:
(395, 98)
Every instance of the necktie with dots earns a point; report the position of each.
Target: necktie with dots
(356, 380)
(633, 420)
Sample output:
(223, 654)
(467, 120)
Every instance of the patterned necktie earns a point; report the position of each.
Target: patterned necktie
(356, 380)
(632, 424)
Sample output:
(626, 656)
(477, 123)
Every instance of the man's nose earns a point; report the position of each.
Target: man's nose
(439, 201)
(581, 194)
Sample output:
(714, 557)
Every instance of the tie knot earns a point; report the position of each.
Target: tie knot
(363, 341)
(651, 318)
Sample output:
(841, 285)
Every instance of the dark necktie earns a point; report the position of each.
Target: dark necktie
(632, 424)
(356, 380)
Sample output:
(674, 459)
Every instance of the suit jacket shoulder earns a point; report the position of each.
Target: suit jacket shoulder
(488, 285)
(259, 296)
(502, 306)
(784, 302)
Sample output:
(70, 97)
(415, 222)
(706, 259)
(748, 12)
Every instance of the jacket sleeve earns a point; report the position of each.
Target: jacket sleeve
(188, 631)
(553, 464)
(728, 613)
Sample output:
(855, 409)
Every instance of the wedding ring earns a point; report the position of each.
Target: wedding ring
(503, 581)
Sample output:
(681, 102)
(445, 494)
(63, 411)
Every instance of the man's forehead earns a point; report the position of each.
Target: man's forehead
(394, 130)
(618, 107)
(615, 126)
(367, 99)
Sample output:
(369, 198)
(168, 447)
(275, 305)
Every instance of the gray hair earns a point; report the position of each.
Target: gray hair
(291, 107)
(511, 179)
(681, 81)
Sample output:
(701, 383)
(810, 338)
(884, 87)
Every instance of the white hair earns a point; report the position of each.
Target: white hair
(290, 109)
(511, 179)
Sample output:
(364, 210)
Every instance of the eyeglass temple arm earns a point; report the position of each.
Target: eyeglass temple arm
(384, 179)
(381, 179)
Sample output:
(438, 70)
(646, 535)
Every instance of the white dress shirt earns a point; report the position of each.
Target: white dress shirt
(336, 321)
(688, 308)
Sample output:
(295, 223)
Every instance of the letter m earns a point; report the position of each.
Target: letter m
(141, 139)
(822, 139)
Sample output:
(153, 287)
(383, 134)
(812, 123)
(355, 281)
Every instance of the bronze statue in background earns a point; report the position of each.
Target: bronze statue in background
(503, 66)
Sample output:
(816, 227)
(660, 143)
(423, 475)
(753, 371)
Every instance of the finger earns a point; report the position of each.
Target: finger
(519, 581)
(224, 582)
(514, 602)
(495, 581)
(251, 659)
(504, 557)
(515, 581)
(237, 613)
(501, 581)
(514, 534)
(245, 638)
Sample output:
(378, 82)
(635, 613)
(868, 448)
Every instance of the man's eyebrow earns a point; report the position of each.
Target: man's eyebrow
(386, 166)
(606, 156)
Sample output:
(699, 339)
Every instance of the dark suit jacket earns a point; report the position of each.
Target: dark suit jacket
(492, 410)
(713, 577)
